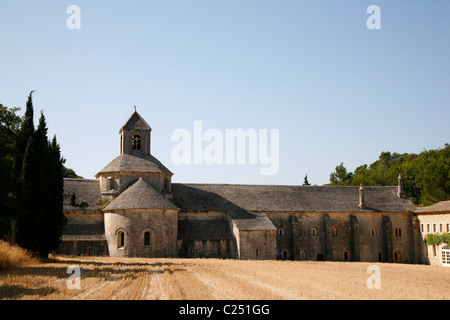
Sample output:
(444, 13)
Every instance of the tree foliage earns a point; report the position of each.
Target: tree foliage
(435, 239)
(426, 176)
(32, 176)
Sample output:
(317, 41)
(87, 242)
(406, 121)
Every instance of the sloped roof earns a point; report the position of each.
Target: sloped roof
(140, 195)
(251, 221)
(85, 190)
(135, 163)
(440, 207)
(135, 121)
(282, 198)
(83, 232)
(203, 230)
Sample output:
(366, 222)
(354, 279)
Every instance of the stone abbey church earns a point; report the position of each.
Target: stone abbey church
(132, 209)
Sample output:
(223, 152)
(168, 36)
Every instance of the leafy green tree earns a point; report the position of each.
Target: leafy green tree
(341, 177)
(70, 173)
(426, 176)
(9, 183)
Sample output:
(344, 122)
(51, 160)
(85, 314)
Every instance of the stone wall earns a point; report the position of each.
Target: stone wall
(431, 223)
(257, 244)
(119, 181)
(345, 236)
(215, 248)
(83, 248)
(162, 225)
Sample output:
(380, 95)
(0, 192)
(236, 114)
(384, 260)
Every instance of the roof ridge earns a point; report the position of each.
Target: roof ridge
(273, 185)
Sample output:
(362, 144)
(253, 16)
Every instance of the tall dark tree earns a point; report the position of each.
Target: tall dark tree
(39, 226)
(24, 134)
(55, 190)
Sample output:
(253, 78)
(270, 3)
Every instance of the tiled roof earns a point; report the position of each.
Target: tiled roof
(140, 195)
(203, 229)
(440, 207)
(135, 121)
(86, 232)
(85, 190)
(254, 198)
(135, 163)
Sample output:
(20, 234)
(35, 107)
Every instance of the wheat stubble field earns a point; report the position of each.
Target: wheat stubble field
(206, 279)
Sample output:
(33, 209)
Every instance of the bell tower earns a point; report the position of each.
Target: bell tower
(135, 136)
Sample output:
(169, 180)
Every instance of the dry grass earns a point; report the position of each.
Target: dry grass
(205, 279)
(12, 256)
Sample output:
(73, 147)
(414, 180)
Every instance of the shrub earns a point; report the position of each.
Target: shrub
(13, 256)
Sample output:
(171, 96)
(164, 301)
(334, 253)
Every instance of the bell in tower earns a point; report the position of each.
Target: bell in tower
(135, 135)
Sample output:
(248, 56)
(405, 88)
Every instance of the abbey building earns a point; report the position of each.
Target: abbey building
(132, 209)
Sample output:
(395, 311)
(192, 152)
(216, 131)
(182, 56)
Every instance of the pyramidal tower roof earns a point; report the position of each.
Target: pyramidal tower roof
(135, 121)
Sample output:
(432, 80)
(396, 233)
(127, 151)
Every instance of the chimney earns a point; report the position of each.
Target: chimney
(400, 186)
(361, 197)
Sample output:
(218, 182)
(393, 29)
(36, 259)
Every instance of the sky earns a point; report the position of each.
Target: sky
(335, 89)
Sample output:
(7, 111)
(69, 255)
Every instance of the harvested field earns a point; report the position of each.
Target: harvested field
(210, 279)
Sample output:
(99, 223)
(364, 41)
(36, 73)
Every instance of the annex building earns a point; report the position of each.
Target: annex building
(132, 209)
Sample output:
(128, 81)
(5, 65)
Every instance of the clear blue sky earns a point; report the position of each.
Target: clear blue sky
(337, 91)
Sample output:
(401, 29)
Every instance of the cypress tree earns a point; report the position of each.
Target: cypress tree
(23, 148)
(38, 168)
(55, 190)
(25, 133)
(26, 234)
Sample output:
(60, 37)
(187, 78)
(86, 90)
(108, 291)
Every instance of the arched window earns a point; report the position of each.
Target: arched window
(399, 232)
(147, 235)
(380, 256)
(170, 237)
(257, 252)
(120, 239)
(136, 142)
(314, 231)
(284, 254)
(396, 256)
(345, 256)
(374, 232)
(333, 231)
(303, 255)
(280, 232)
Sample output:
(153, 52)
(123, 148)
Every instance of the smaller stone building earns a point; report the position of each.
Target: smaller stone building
(435, 219)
